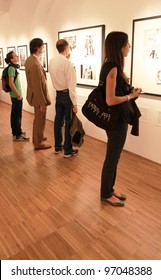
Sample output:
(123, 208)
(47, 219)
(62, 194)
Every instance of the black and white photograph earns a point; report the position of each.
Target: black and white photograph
(72, 40)
(44, 57)
(1, 58)
(9, 49)
(22, 53)
(152, 39)
(88, 72)
(146, 55)
(159, 77)
(85, 52)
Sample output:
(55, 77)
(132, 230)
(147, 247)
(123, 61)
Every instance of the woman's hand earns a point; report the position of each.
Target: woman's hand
(135, 93)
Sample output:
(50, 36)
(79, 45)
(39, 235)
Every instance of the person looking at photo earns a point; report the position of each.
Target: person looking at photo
(37, 92)
(12, 60)
(63, 78)
(118, 91)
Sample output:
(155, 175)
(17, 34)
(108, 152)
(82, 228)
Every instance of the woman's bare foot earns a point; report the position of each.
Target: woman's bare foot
(113, 199)
(119, 195)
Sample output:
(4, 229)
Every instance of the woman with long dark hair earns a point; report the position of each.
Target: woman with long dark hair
(117, 91)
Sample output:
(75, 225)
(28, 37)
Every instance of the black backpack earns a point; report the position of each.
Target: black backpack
(5, 78)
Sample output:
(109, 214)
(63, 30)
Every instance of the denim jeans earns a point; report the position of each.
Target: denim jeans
(63, 109)
(116, 141)
(16, 116)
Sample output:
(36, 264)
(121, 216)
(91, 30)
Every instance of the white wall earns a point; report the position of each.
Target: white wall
(22, 20)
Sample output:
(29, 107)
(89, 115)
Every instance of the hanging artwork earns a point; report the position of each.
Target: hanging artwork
(146, 55)
(85, 52)
(9, 49)
(1, 58)
(22, 54)
(44, 57)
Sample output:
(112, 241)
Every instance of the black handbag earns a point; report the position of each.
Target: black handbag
(96, 110)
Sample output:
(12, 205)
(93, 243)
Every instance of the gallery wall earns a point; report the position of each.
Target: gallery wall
(21, 21)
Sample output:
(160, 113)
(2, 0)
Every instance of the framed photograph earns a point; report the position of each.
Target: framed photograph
(1, 58)
(146, 55)
(44, 57)
(22, 53)
(86, 49)
(9, 49)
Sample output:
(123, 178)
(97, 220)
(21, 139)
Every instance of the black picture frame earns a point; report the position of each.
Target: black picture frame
(1, 58)
(146, 55)
(9, 49)
(86, 52)
(44, 57)
(22, 54)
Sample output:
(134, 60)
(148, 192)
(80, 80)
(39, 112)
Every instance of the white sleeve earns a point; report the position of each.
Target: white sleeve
(71, 82)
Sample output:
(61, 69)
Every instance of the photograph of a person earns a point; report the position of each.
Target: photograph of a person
(72, 40)
(22, 53)
(44, 57)
(10, 49)
(152, 39)
(1, 58)
(88, 72)
(89, 45)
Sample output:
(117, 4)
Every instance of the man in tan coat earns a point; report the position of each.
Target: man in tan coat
(37, 92)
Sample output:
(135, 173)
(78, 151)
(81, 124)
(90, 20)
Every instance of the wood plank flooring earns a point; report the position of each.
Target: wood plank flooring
(50, 206)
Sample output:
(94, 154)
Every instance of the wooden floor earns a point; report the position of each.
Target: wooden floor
(50, 206)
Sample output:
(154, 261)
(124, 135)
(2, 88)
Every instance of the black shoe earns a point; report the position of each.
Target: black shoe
(58, 150)
(72, 153)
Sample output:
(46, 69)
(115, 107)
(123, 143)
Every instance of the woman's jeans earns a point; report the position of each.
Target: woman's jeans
(63, 109)
(116, 141)
(16, 116)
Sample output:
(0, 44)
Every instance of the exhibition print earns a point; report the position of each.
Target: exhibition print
(44, 58)
(1, 58)
(11, 49)
(22, 54)
(146, 55)
(85, 52)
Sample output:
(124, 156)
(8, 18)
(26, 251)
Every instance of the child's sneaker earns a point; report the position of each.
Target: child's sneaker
(21, 138)
(23, 133)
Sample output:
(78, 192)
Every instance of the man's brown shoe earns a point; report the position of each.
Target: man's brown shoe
(43, 147)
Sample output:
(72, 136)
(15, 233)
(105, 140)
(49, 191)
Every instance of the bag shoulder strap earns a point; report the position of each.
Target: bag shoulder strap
(16, 72)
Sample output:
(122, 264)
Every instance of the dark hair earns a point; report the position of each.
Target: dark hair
(61, 45)
(114, 42)
(35, 44)
(8, 58)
